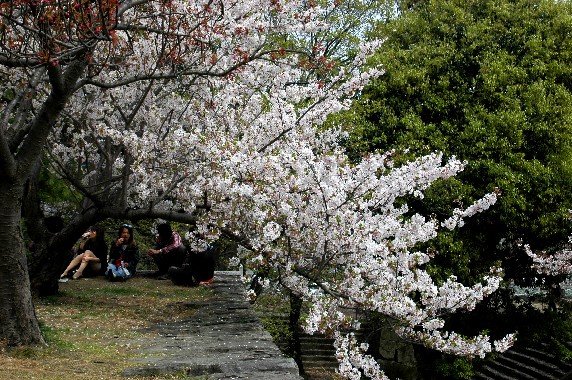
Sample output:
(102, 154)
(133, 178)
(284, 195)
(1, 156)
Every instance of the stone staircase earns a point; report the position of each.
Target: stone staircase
(524, 364)
(317, 353)
(319, 361)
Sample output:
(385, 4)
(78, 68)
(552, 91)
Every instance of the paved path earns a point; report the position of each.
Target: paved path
(223, 340)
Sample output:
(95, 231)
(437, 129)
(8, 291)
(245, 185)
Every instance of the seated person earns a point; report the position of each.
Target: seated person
(169, 250)
(123, 255)
(91, 255)
(197, 269)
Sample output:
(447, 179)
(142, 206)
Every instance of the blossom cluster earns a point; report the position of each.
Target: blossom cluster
(457, 219)
(559, 263)
(352, 360)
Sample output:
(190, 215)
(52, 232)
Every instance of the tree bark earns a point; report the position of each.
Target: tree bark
(52, 253)
(46, 264)
(294, 325)
(18, 322)
(51, 241)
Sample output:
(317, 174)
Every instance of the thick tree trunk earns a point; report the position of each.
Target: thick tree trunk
(18, 154)
(49, 252)
(294, 325)
(52, 252)
(46, 265)
(18, 322)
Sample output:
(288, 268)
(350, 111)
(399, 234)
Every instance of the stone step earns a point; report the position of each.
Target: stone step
(317, 342)
(319, 351)
(548, 357)
(482, 376)
(325, 360)
(320, 364)
(517, 371)
(521, 363)
(317, 345)
(318, 374)
(310, 343)
(488, 372)
(316, 338)
(542, 362)
(306, 356)
(528, 368)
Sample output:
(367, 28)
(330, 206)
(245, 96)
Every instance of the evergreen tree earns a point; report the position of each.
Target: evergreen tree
(490, 83)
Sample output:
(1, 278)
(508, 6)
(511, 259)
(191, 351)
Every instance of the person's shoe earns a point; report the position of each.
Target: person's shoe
(164, 277)
(63, 279)
(77, 275)
(206, 282)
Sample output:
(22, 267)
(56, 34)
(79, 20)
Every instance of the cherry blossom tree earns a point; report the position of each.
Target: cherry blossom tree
(254, 167)
(193, 110)
(59, 58)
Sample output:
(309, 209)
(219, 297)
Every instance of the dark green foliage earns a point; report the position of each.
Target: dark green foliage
(454, 368)
(56, 192)
(489, 82)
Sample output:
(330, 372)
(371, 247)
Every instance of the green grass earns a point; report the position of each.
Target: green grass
(90, 328)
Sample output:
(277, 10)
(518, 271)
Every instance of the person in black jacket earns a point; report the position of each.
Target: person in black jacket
(91, 255)
(198, 268)
(123, 255)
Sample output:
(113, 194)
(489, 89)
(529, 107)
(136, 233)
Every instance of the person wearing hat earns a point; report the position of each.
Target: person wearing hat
(123, 255)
